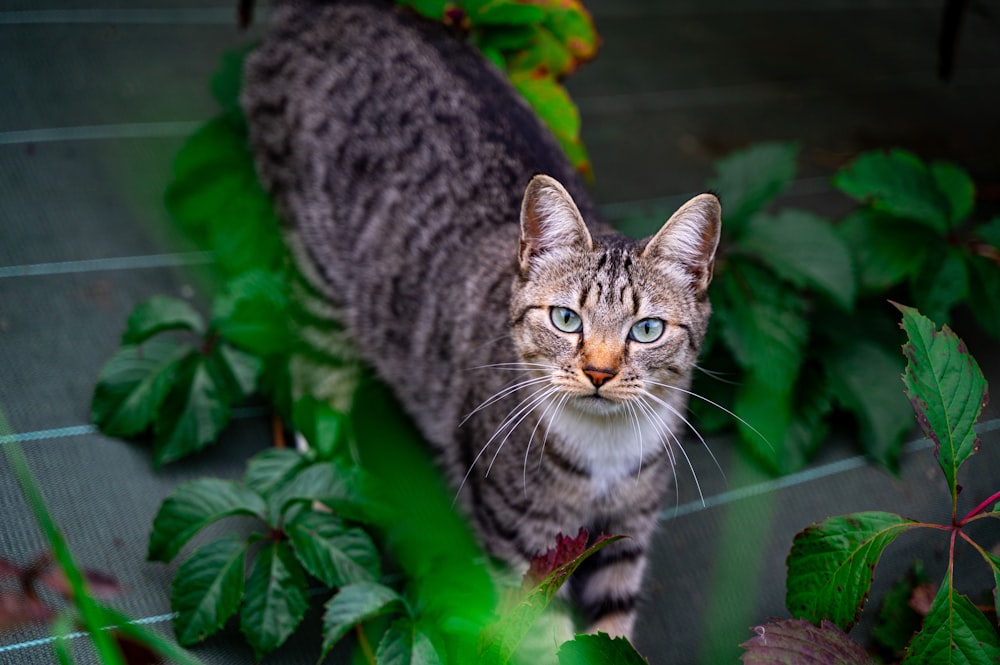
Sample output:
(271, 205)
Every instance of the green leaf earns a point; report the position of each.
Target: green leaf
(831, 565)
(863, 378)
(505, 13)
(194, 413)
(134, 383)
(276, 598)
(955, 632)
(323, 426)
(404, 643)
(271, 468)
(194, 505)
(599, 649)
(897, 183)
(958, 190)
(552, 103)
(158, 314)
(236, 372)
(989, 232)
(331, 551)
(572, 25)
(886, 250)
(208, 588)
(498, 641)
(228, 78)
(984, 291)
(946, 388)
(994, 562)
(340, 487)
(252, 313)
(941, 283)
(804, 249)
(799, 642)
(749, 179)
(355, 604)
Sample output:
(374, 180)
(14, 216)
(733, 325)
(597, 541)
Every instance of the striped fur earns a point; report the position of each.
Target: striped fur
(401, 160)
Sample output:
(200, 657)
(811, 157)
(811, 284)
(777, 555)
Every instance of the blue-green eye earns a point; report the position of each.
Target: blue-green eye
(566, 320)
(646, 331)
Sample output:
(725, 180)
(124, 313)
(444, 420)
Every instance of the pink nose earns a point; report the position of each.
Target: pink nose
(598, 376)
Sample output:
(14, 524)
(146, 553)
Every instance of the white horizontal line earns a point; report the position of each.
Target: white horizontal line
(111, 263)
(197, 15)
(128, 130)
(49, 640)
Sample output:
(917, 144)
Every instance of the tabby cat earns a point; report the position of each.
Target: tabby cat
(544, 357)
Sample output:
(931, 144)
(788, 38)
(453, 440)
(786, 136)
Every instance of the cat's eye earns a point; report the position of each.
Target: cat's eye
(566, 320)
(647, 331)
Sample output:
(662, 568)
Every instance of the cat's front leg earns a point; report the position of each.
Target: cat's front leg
(607, 586)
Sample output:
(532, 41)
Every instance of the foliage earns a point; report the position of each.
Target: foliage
(116, 640)
(832, 563)
(538, 43)
(359, 534)
(798, 301)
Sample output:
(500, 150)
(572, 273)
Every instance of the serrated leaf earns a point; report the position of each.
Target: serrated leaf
(252, 313)
(749, 179)
(194, 505)
(208, 588)
(331, 551)
(193, 414)
(339, 487)
(984, 291)
(276, 598)
(799, 642)
(134, 383)
(271, 468)
(942, 282)
(863, 377)
(573, 25)
(505, 13)
(158, 314)
(831, 565)
(804, 249)
(354, 604)
(957, 188)
(886, 250)
(955, 632)
(545, 55)
(498, 641)
(994, 562)
(404, 643)
(946, 388)
(599, 649)
(897, 183)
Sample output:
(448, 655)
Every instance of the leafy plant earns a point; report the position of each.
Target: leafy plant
(832, 563)
(798, 301)
(360, 534)
(116, 640)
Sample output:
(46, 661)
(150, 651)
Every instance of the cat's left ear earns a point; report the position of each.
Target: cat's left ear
(691, 236)
(550, 220)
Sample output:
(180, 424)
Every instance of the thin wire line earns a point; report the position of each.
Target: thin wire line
(126, 130)
(110, 263)
(146, 621)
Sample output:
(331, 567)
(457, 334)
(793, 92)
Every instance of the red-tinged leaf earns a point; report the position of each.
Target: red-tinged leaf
(100, 585)
(17, 609)
(573, 25)
(553, 105)
(955, 632)
(799, 642)
(521, 609)
(831, 565)
(946, 388)
(9, 569)
(599, 649)
(565, 551)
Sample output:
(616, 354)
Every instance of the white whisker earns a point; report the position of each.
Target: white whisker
(527, 449)
(693, 429)
(510, 428)
(718, 376)
(687, 459)
(502, 393)
(559, 405)
(718, 406)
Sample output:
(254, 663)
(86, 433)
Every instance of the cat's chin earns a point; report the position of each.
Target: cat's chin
(597, 405)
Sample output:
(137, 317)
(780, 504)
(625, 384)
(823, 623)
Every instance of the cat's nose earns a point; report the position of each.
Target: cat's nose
(598, 376)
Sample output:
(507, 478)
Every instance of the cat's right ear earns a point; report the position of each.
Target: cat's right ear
(549, 220)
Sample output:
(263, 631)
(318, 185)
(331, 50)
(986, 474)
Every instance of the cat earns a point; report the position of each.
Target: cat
(545, 358)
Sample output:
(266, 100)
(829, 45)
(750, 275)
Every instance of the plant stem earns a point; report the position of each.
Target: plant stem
(366, 648)
(979, 508)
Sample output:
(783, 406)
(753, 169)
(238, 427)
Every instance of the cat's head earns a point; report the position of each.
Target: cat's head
(606, 317)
